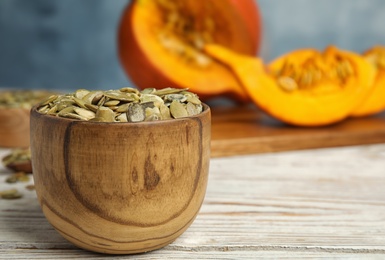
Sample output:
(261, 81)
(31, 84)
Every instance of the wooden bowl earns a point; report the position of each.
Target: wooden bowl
(14, 127)
(15, 115)
(120, 188)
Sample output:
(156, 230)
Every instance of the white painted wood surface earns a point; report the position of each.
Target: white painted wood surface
(326, 203)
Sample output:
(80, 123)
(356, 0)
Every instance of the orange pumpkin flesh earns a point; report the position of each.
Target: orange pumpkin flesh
(161, 41)
(251, 17)
(375, 103)
(316, 101)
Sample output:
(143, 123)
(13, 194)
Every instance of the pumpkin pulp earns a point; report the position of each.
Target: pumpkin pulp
(304, 87)
(161, 42)
(375, 103)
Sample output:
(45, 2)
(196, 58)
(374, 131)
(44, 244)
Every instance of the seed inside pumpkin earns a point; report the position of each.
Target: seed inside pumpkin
(376, 56)
(309, 74)
(185, 31)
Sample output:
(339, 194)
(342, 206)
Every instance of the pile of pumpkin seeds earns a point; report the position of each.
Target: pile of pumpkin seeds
(22, 98)
(15, 157)
(123, 105)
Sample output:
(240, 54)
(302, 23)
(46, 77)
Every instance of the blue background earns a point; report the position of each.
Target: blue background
(72, 44)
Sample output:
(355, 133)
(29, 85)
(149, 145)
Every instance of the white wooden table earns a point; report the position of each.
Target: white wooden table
(327, 203)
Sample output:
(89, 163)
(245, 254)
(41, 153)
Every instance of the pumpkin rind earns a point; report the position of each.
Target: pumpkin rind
(152, 59)
(322, 105)
(375, 102)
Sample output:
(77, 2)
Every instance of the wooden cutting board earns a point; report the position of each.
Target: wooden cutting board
(246, 130)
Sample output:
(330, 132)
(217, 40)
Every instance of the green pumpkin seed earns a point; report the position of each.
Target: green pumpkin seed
(85, 113)
(65, 111)
(52, 110)
(126, 97)
(10, 194)
(81, 93)
(146, 98)
(191, 98)
(64, 104)
(122, 108)
(106, 113)
(129, 90)
(178, 110)
(111, 103)
(135, 113)
(166, 91)
(93, 97)
(164, 112)
(192, 109)
(49, 100)
(122, 117)
(80, 102)
(178, 97)
(148, 91)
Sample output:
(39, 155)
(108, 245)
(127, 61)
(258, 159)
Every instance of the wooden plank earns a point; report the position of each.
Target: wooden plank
(185, 253)
(246, 130)
(321, 203)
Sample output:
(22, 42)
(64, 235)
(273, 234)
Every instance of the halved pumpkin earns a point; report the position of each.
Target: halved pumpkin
(161, 42)
(304, 87)
(375, 103)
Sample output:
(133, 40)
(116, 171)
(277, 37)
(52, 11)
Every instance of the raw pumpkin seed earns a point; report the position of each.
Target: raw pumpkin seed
(178, 97)
(122, 117)
(30, 187)
(145, 98)
(287, 83)
(87, 114)
(164, 112)
(129, 90)
(166, 91)
(136, 113)
(111, 103)
(193, 109)
(177, 109)
(81, 93)
(106, 113)
(10, 194)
